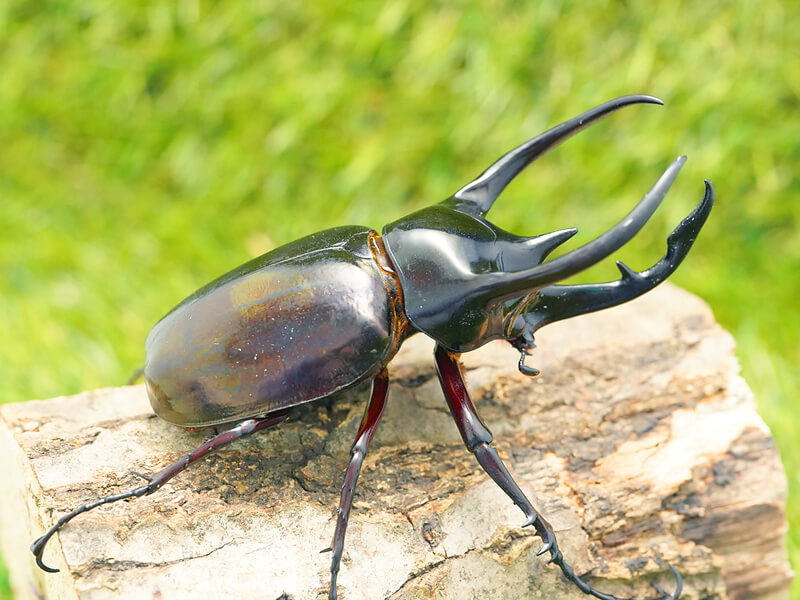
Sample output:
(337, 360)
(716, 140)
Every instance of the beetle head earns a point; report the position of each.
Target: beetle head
(466, 282)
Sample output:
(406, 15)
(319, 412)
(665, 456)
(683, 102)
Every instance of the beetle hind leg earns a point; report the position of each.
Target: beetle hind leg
(478, 438)
(156, 481)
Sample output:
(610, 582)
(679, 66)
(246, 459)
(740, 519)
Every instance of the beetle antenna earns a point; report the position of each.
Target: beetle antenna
(523, 368)
(478, 196)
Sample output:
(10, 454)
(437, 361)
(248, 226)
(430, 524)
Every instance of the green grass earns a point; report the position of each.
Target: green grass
(146, 148)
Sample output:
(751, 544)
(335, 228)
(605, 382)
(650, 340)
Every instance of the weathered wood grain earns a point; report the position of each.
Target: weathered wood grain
(639, 440)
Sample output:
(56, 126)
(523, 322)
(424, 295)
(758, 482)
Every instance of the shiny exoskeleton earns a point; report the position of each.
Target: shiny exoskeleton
(329, 311)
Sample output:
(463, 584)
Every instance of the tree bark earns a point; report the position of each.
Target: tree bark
(639, 442)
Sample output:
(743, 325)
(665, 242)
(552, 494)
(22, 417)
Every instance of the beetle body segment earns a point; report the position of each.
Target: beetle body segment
(299, 323)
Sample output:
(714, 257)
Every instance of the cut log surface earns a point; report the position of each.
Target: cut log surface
(639, 442)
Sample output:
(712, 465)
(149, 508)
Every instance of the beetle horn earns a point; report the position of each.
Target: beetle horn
(477, 197)
(557, 302)
(539, 247)
(584, 257)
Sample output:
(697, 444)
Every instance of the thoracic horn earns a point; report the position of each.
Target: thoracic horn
(476, 198)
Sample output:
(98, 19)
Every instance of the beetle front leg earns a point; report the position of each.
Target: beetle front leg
(478, 438)
(369, 424)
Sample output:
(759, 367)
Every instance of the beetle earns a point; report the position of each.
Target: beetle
(329, 311)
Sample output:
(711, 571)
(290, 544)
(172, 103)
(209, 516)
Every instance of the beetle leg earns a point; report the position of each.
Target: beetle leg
(478, 438)
(156, 481)
(369, 424)
(135, 376)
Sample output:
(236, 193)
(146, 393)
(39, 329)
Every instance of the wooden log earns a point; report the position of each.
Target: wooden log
(639, 442)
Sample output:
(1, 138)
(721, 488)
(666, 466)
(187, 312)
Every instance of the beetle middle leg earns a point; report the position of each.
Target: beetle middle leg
(155, 482)
(369, 424)
(478, 438)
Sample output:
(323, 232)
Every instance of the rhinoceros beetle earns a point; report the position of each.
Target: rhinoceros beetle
(329, 311)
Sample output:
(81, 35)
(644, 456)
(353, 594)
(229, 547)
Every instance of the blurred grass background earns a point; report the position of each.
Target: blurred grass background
(146, 148)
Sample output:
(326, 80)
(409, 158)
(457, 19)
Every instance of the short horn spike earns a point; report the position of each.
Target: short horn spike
(478, 196)
(542, 245)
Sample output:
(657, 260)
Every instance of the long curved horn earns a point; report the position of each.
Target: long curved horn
(477, 197)
(557, 302)
(584, 257)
